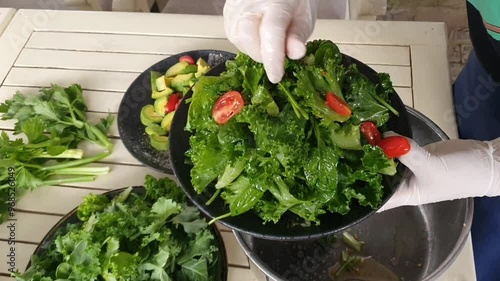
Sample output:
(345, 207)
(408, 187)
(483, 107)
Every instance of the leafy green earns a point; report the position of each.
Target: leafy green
(287, 150)
(53, 123)
(155, 235)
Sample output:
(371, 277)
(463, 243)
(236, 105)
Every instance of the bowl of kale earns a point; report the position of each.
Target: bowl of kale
(300, 159)
(148, 232)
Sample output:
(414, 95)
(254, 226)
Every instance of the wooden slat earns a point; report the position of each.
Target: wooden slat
(406, 95)
(91, 80)
(383, 55)
(235, 254)
(432, 97)
(24, 224)
(400, 75)
(240, 274)
(120, 81)
(23, 254)
(96, 101)
(54, 199)
(6, 15)
(139, 62)
(367, 32)
(4, 278)
(139, 44)
(120, 43)
(86, 60)
(12, 41)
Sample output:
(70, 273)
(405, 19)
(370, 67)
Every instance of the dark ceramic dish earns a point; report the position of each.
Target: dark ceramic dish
(131, 129)
(220, 270)
(289, 227)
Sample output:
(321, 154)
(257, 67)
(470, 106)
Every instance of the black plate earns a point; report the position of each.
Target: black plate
(71, 218)
(131, 129)
(287, 228)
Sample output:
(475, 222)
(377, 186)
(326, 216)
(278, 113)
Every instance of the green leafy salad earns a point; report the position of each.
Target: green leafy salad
(309, 145)
(133, 236)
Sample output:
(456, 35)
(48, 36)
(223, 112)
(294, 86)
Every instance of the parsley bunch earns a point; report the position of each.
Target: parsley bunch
(53, 123)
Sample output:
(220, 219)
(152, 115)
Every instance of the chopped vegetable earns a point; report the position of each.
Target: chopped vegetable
(293, 147)
(167, 93)
(370, 132)
(53, 123)
(187, 59)
(350, 241)
(150, 236)
(228, 105)
(394, 146)
(337, 104)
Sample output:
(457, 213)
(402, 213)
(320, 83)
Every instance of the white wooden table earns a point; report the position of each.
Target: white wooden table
(105, 52)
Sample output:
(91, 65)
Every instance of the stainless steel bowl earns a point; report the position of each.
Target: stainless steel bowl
(415, 243)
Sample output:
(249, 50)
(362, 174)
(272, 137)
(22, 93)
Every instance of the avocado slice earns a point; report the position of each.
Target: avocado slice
(160, 106)
(201, 62)
(160, 83)
(155, 129)
(168, 81)
(166, 123)
(181, 81)
(159, 142)
(154, 76)
(181, 68)
(164, 93)
(149, 115)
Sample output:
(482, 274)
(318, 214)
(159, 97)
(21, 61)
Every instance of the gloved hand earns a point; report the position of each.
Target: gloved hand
(267, 30)
(448, 170)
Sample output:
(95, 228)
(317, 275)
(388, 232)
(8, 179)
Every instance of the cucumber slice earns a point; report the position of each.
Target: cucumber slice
(159, 142)
(160, 106)
(149, 115)
(155, 129)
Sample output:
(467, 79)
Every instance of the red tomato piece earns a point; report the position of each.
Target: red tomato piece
(187, 59)
(371, 132)
(338, 105)
(394, 146)
(228, 105)
(172, 103)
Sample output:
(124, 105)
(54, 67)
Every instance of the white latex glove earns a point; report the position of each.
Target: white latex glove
(448, 170)
(267, 30)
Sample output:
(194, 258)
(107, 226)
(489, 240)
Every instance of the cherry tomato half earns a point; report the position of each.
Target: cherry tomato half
(172, 103)
(371, 132)
(394, 146)
(228, 105)
(338, 105)
(187, 59)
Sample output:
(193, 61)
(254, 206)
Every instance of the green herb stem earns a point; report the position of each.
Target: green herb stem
(350, 241)
(102, 137)
(69, 180)
(384, 103)
(69, 154)
(296, 107)
(219, 218)
(76, 163)
(213, 197)
(87, 171)
(50, 142)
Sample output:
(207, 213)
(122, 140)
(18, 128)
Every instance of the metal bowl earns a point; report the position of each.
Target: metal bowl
(415, 243)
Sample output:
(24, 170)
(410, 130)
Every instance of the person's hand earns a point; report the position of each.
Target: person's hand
(269, 30)
(448, 170)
